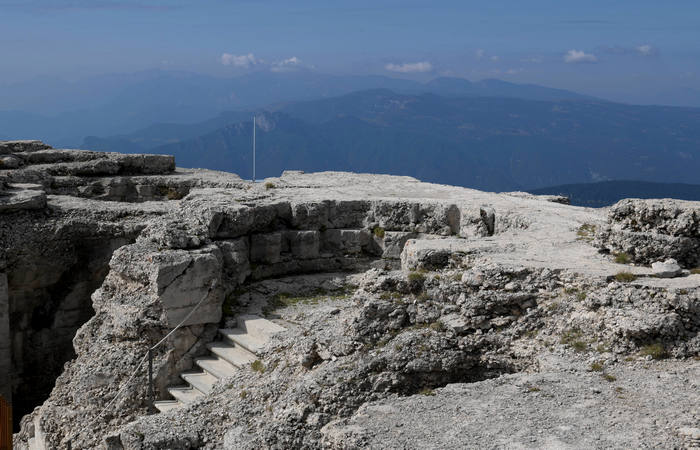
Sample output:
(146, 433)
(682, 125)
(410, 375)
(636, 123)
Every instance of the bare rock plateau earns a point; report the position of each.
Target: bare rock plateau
(337, 310)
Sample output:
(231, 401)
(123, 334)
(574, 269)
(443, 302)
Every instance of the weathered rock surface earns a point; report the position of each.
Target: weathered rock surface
(653, 230)
(666, 269)
(414, 313)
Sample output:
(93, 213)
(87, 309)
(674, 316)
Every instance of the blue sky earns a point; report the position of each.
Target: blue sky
(626, 49)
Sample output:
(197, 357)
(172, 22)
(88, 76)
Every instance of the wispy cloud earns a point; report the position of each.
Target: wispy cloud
(646, 50)
(416, 67)
(242, 61)
(286, 64)
(639, 50)
(579, 56)
(479, 53)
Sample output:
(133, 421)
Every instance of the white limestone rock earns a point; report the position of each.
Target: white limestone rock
(666, 269)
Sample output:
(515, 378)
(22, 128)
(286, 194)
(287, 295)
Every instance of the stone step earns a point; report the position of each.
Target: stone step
(257, 326)
(185, 394)
(57, 156)
(167, 405)
(239, 337)
(218, 367)
(202, 381)
(235, 355)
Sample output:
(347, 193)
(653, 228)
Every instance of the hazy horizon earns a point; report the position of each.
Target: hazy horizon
(633, 52)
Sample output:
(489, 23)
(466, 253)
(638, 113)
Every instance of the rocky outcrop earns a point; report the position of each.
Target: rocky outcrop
(388, 289)
(654, 230)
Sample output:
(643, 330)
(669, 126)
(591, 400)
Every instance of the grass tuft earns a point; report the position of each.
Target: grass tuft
(625, 277)
(258, 366)
(269, 185)
(379, 232)
(622, 258)
(586, 232)
(656, 351)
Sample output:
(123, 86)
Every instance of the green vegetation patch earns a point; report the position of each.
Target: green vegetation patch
(586, 232)
(656, 351)
(596, 366)
(269, 185)
(625, 277)
(258, 366)
(315, 297)
(416, 276)
(608, 377)
(574, 338)
(622, 258)
(379, 232)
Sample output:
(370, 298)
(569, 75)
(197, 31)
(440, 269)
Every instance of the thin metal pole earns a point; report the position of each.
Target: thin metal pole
(253, 149)
(151, 393)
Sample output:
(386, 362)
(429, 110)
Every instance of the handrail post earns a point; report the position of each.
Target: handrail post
(151, 392)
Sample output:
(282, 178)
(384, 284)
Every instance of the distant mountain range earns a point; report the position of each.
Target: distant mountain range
(490, 143)
(65, 112)
(606, 193)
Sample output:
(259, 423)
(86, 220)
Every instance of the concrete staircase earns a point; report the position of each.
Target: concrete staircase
(238, 348)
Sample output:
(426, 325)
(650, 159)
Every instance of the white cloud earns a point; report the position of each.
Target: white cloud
(479, 53)
(513, 71)
(645, 50)
(533, 59)
(495, 58)
(244, 61)
(579, 56)
(422, 66)
(286, 64)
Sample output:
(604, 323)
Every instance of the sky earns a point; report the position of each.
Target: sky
(622, 50)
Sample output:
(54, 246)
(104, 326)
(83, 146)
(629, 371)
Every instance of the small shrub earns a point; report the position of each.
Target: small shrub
(427, 391)
(243, 394)
(656, 351)
(695, 271)
(622, 258)
(579, 346)
(379, 232)
(609, 378)
(258, 366)
(596, 367)
(533, 389)
(269, 185)
(625, 277)
(572, 338)
(416, 276)
(581, 296)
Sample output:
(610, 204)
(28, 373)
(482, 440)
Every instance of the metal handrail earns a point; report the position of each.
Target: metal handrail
(149, 355)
